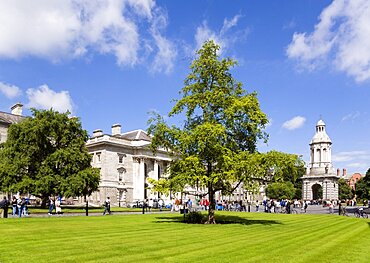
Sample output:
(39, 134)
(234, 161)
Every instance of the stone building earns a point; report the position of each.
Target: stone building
(321, 180)
(125, 162)
(353, 179)
(7, 119)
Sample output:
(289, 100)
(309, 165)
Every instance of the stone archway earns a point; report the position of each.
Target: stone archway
(317, 192)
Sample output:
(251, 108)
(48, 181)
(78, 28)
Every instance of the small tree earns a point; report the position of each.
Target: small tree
(280, 190)
(345, 191)
(363, 186)
(45, 155)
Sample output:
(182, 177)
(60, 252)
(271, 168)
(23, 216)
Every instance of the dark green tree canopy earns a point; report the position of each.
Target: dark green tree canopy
(363, 186)
(280, 190)
(45, 155)
(215, 148)
(345, 191)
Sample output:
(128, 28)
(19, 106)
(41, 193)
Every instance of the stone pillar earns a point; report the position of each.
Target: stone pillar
(325, 192)
(142, 178)
(136, 180)
(155, 176)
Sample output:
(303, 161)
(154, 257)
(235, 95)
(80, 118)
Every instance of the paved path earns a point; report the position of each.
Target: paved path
(312, 209)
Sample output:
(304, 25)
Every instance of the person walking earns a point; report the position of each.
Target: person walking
(257, 206)
(14, 206)
(51, 206)
(19, 206)
(107, 206)
(4, 208)
(331, 207)
(24, 206)
(305, 205)
(160, 204)
(58, 208)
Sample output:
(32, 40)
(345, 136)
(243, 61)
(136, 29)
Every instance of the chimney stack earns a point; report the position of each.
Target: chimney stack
(17, 109)
(338, 172)
(116, 129)
(97, 133)
(344, 172)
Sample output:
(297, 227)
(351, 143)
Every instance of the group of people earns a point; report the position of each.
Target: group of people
(283, 205)
(19, 206)
(55, 203)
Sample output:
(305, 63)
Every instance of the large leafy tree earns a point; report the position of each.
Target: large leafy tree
(45, 155)
(215, 148)
(363, 186)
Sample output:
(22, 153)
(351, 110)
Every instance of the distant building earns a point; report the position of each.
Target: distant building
(353, 179)
(321, 180)
(7, 119)
(125, 162)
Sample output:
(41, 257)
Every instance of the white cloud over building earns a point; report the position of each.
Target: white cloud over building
(45, 98)
(294, 123)
(10, 91)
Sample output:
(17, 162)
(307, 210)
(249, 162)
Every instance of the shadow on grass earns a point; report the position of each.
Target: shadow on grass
(222, 220)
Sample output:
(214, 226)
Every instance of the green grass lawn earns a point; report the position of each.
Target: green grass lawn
(256, 237)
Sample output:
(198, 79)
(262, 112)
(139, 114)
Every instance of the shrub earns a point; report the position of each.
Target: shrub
(194, 218)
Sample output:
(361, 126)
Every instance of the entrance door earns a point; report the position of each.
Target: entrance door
(317, 192)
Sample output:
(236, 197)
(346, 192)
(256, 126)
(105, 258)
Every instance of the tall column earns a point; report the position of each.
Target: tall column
(141, 178)
(136, 179)
(155, 176)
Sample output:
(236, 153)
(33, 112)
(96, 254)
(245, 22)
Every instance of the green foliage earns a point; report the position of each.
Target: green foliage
(345, 192)
(194, 218)
(222, 126)
(280, 190)
(215, 149)
(46, 155)
(363, 186)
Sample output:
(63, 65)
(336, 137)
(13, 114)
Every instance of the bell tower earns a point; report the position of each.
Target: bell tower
(321, 180)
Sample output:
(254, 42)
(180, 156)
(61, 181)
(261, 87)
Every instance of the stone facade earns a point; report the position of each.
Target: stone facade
(321, 180)
(7, 119)
(125, 162)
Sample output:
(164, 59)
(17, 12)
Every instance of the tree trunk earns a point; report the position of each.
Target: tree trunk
(211, 208)
(44, 200)
(87, 206)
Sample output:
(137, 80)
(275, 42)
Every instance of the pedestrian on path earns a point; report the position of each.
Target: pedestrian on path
(107, 206)
(51, 206)
(4, 208)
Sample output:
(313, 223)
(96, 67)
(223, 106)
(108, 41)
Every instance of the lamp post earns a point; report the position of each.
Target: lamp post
(326, 190)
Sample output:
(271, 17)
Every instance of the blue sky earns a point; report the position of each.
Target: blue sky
(114, 61)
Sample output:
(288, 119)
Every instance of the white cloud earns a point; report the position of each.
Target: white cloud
(45, 98)
(351, 116)
(165, 58)
(10, 91)
(56, 30)
(294, 123)
(342, 36)
(351, 156)
(224, 37)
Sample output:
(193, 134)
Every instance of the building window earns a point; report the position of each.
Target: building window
(98, 157)
(120, 176)
(159, 172)
(121, 157)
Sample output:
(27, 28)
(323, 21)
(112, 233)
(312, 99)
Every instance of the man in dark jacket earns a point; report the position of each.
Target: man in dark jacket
(4, 207)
